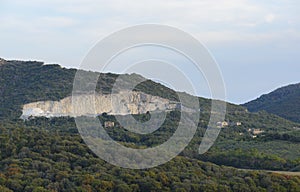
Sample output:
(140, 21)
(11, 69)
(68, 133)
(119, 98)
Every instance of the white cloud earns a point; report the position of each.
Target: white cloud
(206, 16)
(56, 21)
(87, 21)
(270, 18)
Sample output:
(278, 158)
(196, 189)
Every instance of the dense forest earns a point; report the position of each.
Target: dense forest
(48, 155)
(44, 154)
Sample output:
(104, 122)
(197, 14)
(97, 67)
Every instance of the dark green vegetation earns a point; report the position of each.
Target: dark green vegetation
(49, 155)
(284, 102)
(276, 149)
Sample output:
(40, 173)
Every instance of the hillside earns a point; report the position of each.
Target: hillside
(284, 102)
(48, 154)
(50, 157)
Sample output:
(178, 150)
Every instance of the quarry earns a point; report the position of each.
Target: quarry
(122, 103)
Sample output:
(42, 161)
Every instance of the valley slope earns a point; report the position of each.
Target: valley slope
(47, 154)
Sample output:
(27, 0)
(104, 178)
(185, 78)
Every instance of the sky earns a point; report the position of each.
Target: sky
(255, 43)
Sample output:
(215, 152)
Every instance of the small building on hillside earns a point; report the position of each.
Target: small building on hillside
(255, 131)
(108, 124)
(222, 124)
(235, 123)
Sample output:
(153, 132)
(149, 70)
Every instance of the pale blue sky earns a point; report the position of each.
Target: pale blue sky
(256, 44)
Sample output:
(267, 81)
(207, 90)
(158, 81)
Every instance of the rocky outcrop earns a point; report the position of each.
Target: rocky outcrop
(2, 61)
(122, 103)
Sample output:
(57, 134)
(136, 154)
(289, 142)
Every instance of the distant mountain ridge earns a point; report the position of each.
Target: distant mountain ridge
(284, 102)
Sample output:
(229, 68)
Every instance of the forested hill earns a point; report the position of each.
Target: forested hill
(23, 82)
(26, 81)
(284, 102)
(48, 155)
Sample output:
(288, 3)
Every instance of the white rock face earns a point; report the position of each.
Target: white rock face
(122, 103)
(2, 61)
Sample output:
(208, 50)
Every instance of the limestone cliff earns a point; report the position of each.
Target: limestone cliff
(2, 61)
(122, 103)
